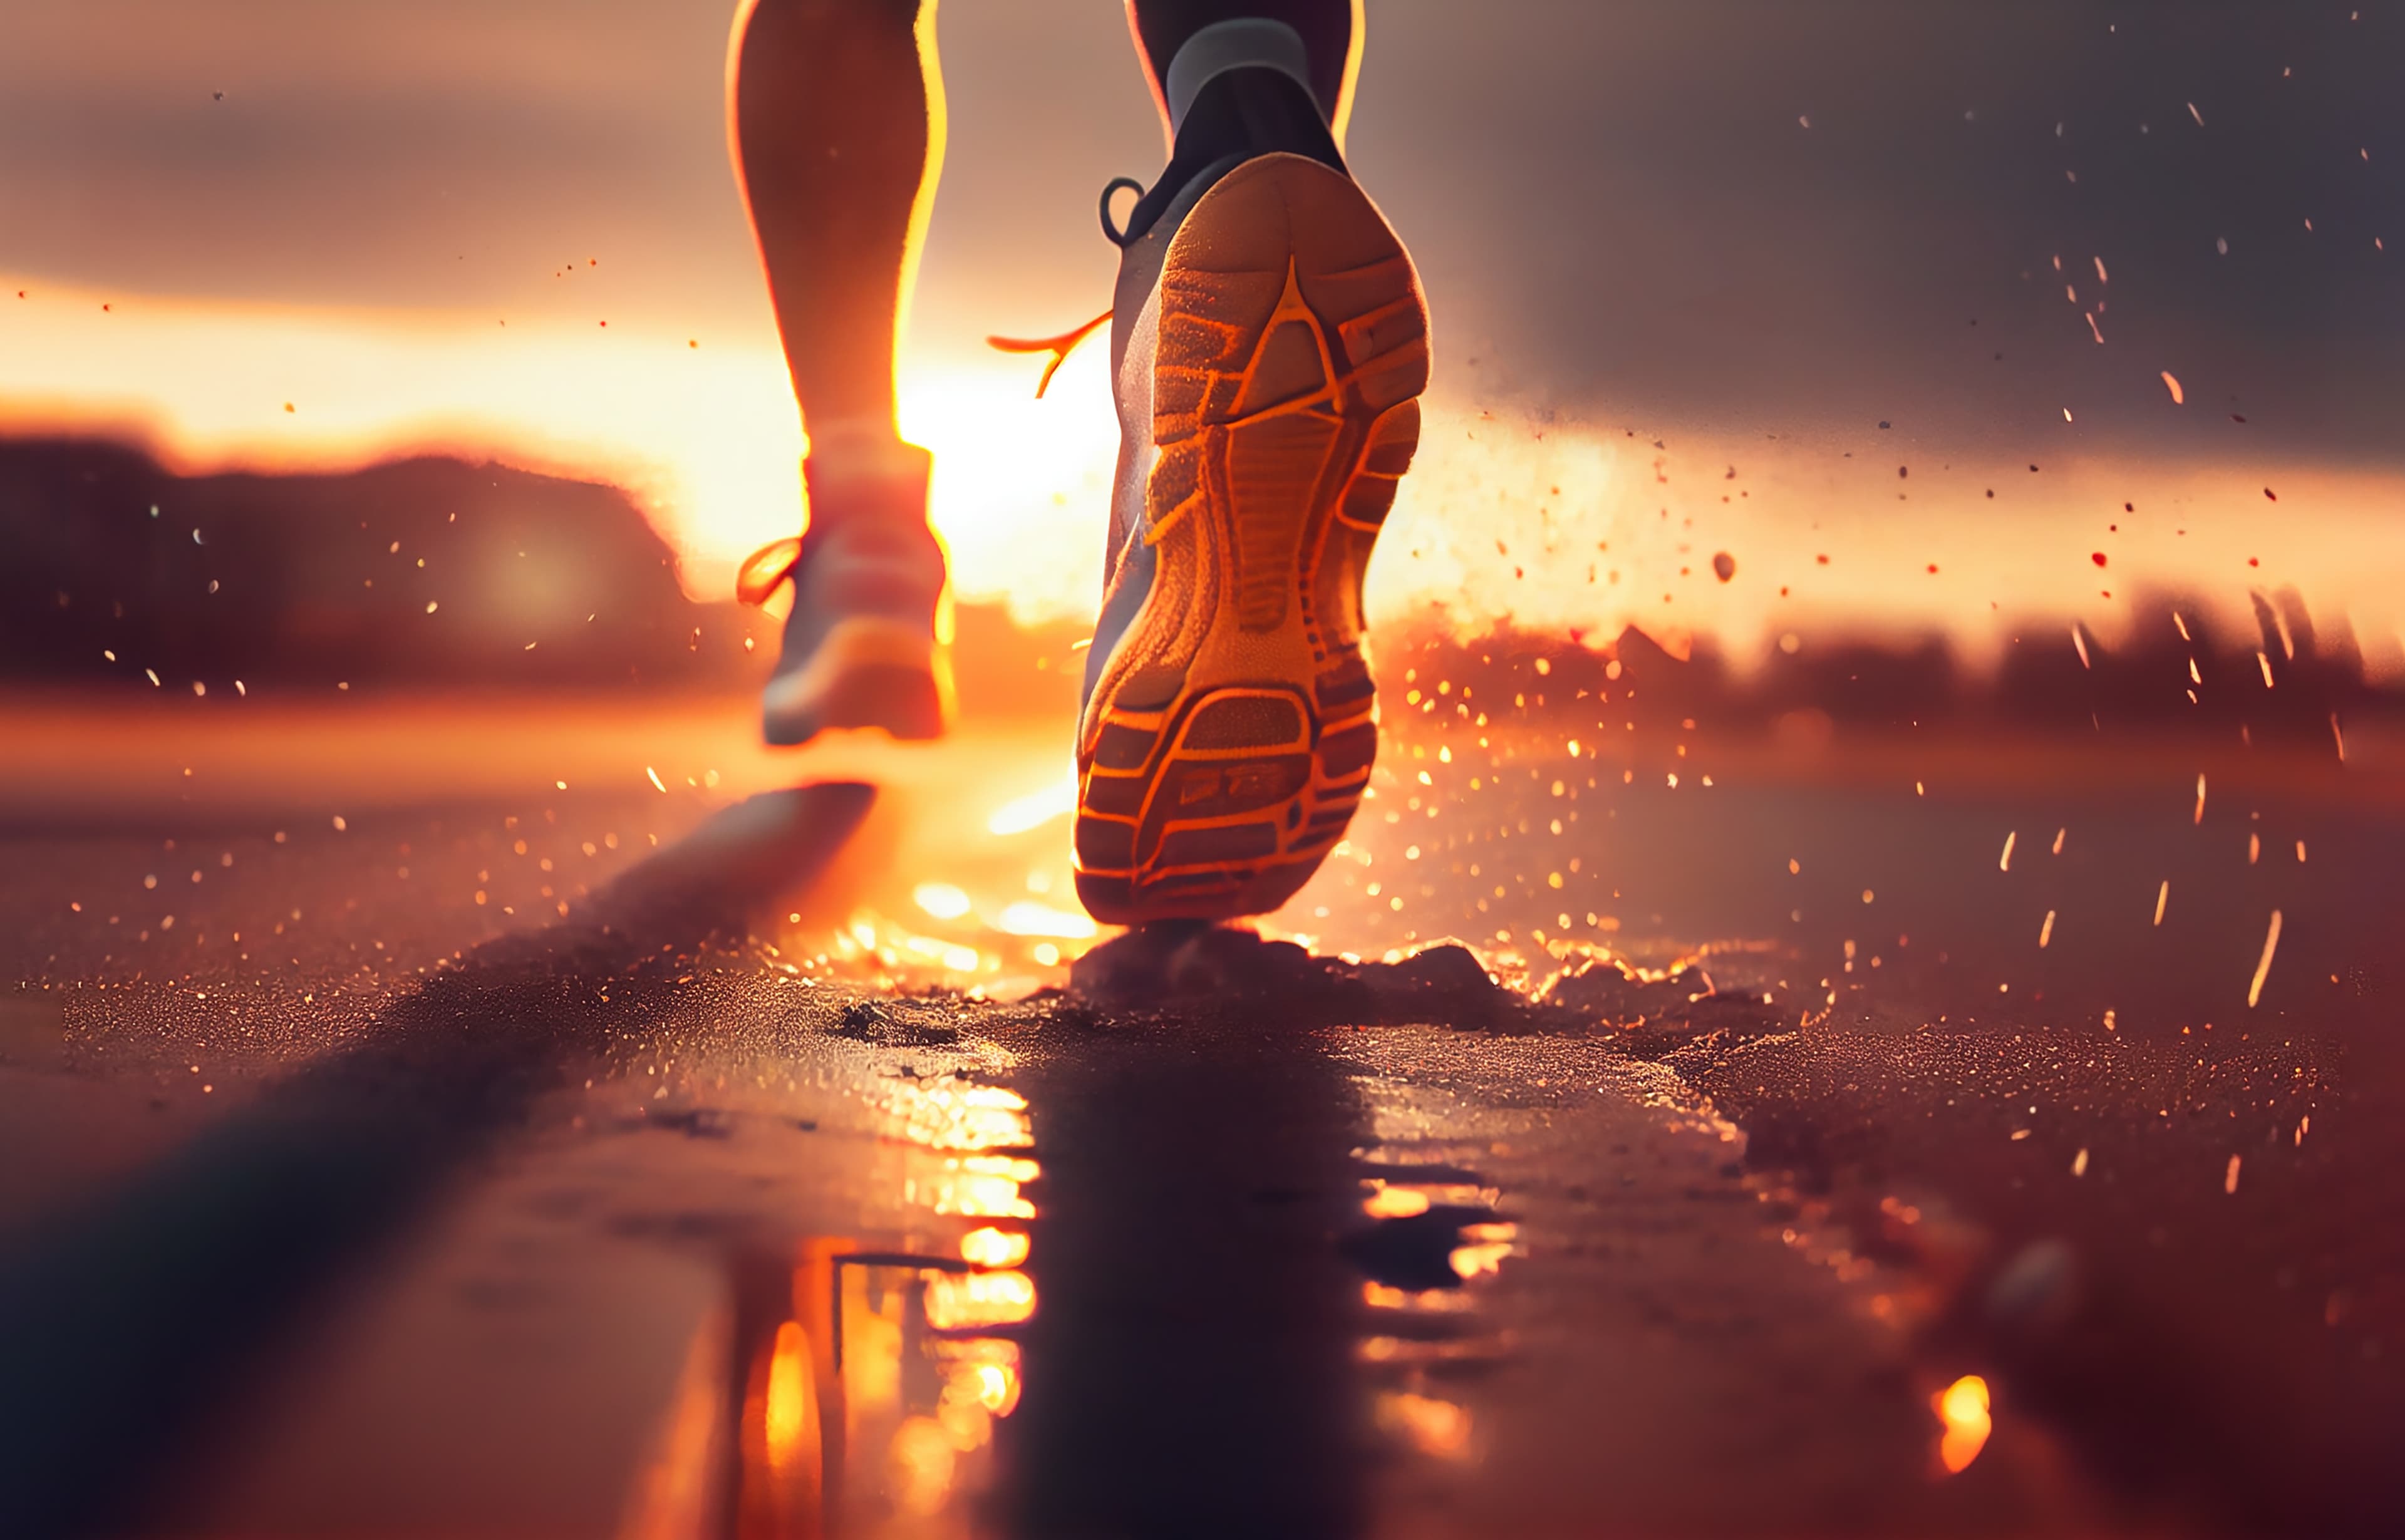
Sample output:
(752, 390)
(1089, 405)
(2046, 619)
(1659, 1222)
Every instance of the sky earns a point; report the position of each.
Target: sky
(1751, 231)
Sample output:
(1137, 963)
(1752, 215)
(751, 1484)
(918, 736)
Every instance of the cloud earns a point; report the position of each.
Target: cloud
(1615, 207)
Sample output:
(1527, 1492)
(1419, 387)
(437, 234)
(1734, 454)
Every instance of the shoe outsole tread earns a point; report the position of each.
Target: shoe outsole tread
(1232, 729)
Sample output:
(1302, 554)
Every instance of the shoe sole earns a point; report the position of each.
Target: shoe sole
(868, 671)
(1230, 733)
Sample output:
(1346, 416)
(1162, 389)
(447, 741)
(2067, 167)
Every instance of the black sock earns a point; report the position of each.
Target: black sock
(1325, 26)
(1239, 114)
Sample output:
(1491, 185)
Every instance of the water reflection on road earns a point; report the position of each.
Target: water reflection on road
(874, 1377)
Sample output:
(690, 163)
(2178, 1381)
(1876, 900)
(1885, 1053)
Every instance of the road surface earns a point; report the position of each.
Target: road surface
(468, 1119)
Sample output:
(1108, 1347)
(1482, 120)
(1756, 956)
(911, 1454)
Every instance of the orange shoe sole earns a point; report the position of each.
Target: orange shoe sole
(1230, 733)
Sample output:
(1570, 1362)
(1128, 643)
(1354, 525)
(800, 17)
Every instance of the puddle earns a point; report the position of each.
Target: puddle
(864, 1395)
(874, 1387)
(868, 1380)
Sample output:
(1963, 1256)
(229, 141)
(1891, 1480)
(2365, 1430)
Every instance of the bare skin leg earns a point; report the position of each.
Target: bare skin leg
(837, 153)
(838, 123)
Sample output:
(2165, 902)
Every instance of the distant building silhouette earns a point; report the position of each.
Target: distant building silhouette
(432, 572)
(422, 570)
(2287, 686)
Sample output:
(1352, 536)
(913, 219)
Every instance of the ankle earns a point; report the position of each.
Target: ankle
(1236, 114)
(860, 448)
(864, 470)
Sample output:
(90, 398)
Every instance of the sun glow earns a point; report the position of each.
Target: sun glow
(702, 432)
(1027, 917)
(940, 900)
(1556, 522)
(1035, 809)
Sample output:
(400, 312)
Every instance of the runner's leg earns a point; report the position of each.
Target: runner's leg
(837, 151)
(837, 124)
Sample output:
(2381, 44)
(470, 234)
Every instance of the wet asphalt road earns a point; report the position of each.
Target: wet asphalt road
(365, 1203)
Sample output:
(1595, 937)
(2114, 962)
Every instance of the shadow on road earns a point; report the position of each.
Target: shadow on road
(1191, 1371)
(128, 1320)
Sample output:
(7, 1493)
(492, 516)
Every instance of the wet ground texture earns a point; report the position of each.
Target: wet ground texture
(350, 1204)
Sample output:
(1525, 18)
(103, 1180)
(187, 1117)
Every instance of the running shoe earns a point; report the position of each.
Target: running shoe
(868, 641)
(1269, 345)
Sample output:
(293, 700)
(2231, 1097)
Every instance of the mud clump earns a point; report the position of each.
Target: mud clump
(1194, 967)
(893, 1025)
(1681, 1002)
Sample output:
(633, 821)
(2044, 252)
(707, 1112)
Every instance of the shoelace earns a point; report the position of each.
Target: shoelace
(1057, 346)
(768, 568)
(765, 570)
(1061, 346)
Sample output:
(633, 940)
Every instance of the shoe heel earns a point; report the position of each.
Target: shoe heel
(1224, 790)
(869, 671)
